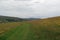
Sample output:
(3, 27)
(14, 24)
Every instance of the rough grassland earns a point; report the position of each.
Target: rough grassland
(8, 26)
(46, 29)
(22, 32)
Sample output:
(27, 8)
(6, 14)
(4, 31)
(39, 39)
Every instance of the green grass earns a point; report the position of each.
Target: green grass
(44, 29)
(22, 32)
(29, 31)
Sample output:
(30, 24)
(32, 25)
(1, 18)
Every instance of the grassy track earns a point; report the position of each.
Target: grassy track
(32, 31)
(22, 32)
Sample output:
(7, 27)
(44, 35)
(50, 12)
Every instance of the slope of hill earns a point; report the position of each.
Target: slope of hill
(47, 21)
(43, 29)
(10, 19)
(15, 19)
(47, 29)
(30, 19)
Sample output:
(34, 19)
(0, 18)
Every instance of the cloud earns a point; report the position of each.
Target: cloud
(15, 0)
(22, 0)
(30, 8)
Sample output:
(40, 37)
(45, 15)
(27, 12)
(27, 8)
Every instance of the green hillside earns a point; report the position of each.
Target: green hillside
(43, 29)
(10, 19)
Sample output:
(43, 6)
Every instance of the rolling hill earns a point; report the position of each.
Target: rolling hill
(14, 19)
(10, 19)
(43, 29)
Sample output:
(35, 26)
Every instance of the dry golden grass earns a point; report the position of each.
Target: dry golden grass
(7, 26)
(52, 24)
(43, 29)
(48, 28)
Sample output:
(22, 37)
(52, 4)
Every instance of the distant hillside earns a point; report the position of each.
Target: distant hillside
(10, 19)
(32, 19)
(42, 29)
(15, 19)
(47, 29)
(47, 21)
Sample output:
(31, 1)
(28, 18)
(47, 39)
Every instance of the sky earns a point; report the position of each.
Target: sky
(30, 8)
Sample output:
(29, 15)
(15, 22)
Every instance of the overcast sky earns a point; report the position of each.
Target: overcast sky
(30, 8)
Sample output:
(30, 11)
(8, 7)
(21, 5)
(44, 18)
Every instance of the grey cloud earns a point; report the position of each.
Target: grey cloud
(3, 0)
(15, 10)
(22, 0)
(30, 9)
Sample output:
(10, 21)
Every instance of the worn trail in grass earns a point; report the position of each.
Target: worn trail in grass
(32, 31)
(22, 32)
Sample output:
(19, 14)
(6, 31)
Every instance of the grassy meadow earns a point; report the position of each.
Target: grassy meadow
(43, 29)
